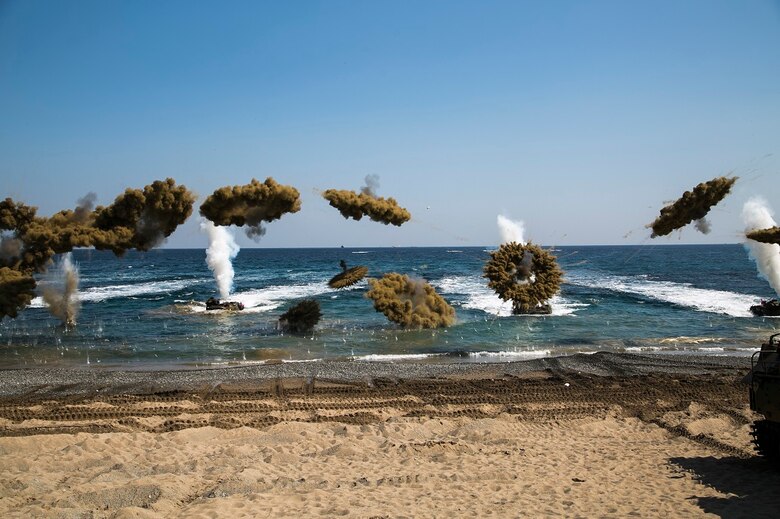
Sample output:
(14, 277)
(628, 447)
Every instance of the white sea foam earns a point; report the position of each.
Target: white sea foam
(270, 298)
(683, 294)
(97, 294)
(373, 357)
(527, 354)
(719, 352)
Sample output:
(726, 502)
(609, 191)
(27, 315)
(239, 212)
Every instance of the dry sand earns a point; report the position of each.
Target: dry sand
(504, 440)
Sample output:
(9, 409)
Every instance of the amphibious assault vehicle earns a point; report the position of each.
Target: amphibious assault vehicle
(769, 308)
(765, 398)
(212, 303)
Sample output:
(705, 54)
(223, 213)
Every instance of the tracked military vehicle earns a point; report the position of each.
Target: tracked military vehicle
(765, 398)
(212, 303)
(769, 308)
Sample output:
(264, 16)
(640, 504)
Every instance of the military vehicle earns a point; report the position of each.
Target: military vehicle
(769, 308)
(765, 398)
(212, 303)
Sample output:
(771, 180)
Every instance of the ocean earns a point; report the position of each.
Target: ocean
(147, 310)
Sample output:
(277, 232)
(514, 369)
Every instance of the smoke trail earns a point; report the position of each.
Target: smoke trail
(757, 215)
(222, 249)
(61, 293)
(372, 186)
(510, 230)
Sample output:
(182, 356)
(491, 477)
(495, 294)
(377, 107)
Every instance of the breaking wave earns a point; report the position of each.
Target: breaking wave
(98, 294)
(682, 294)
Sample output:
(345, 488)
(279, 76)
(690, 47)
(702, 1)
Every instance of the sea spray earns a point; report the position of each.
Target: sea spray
(511, 230)
(222, 249)
(60, 292)
(756, 214)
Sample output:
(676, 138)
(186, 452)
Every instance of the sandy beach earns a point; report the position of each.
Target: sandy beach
(604, 435)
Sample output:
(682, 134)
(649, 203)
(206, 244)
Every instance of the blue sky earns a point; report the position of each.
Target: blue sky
(580, 118)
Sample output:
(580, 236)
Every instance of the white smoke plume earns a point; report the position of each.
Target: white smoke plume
(756, 214)
(510, 230)
(219, 256)
(60, 292)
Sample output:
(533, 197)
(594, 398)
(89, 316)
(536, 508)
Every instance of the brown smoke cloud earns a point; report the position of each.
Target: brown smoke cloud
(138, 219)
(693, 205)
(251, 204)
(348, 276)
(378, 209)
(142, 219)
(525, 274)
(412, 303)
(770, 235)
(301, 318)
(16, 291)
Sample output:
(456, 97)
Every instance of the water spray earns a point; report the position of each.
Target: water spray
(219, 256)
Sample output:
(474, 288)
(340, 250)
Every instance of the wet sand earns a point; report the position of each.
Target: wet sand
(608, 435)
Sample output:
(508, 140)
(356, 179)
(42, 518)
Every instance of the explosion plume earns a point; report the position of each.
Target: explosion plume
(301, 318)
(526, 274)
(250, 205)
(770, 235)
(60, 293)
(348, 276)
(412, 303)
(757, 215)
(219, 256)
(137, 219)
(693, 205)
(142, 219)
(378, 209)
(510, 230)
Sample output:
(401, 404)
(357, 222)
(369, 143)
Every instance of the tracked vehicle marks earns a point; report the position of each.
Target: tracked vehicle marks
(543, 399)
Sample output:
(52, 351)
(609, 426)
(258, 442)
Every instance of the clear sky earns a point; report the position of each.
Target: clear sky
(580, 118)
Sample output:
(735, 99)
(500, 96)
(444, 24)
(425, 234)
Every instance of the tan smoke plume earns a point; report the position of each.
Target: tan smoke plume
(348, 276)
(138, 219)
(16, 291)
(142, 219)
(770, 235)
(693, 205)
(251, 204)
(355, 205)
(525, 274)
(412, 303)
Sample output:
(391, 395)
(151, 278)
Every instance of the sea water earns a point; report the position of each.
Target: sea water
(147, 310)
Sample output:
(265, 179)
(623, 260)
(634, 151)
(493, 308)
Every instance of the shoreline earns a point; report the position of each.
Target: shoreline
(37, 383)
